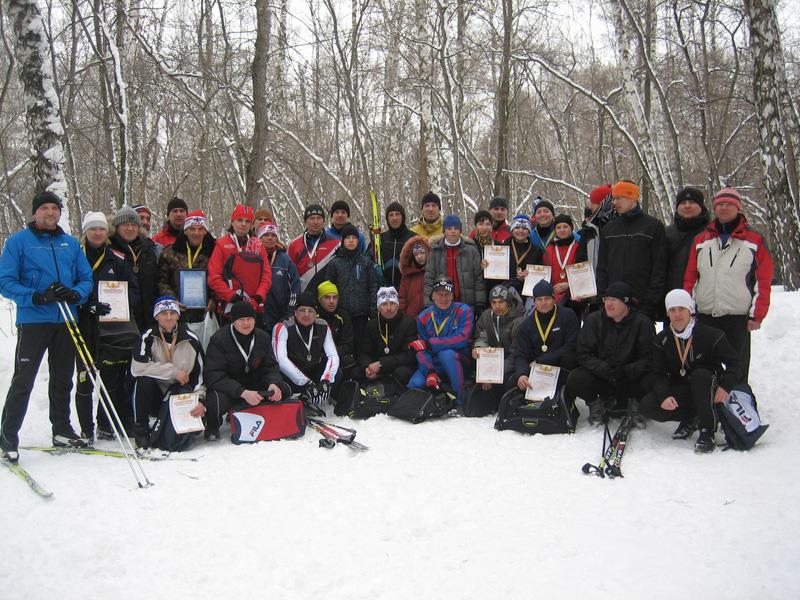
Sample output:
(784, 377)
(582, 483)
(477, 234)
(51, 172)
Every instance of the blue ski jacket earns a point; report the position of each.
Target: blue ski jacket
(32, 261)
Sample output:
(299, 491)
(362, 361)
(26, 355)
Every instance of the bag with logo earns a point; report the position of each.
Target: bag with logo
(267, 421)
(419, 405)
(552, 415)
(373, 398)
(739, 418)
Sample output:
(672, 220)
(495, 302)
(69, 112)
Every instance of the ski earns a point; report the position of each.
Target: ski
(376, 228)
(614, 467)
(333, 434)
(144, 455)
(26, 477)
(607, 453)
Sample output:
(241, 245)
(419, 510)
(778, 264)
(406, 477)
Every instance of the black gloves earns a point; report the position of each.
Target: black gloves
(323, 392)
(56, 293)
(99, 309)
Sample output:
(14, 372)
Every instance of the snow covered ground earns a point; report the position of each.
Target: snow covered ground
(447, 509)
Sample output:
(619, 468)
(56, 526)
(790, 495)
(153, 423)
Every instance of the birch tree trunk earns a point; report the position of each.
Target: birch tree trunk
(501, 178)
(42, 107)
(427, 163)
(773, 120)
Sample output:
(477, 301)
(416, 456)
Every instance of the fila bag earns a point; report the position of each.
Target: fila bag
(267, 421)
(739, 418)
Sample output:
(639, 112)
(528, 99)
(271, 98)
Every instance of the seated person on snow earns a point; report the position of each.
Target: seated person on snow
(240, 367)
(338, 319)
(548, 336)
(169, 360)
(384, 351)
(306, 353)
(443, 348)
(688, 359)
(495, 328)
(614, 357)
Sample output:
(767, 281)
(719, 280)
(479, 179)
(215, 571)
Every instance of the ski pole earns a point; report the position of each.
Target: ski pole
(376, 228)
(104, 397)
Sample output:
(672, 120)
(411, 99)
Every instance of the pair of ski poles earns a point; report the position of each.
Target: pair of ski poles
(104, 398)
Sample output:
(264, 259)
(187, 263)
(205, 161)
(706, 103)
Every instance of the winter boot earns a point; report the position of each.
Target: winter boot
(211, 434)
(11, 456)
(89, 437)
(598, 412)
(71, 439)
(685, 429)
(637, 418)
(705, 442)
(141, 435)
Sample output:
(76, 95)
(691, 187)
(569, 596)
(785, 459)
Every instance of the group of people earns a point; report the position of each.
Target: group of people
(327, 307)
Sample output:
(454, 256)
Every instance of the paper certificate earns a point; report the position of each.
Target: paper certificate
(582, 283)
(535, 274)
(193, 288)
(498, 259)
(490, 367)
(115, 294)
(180, 405)
(542, 382)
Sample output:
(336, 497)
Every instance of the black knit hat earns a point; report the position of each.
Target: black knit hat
(564, 218)
(543, 288)
(176, 203)
(348, 229)
(431, 197)
(443, 284)
(313, 209)
(396, 207)
(45, 198)
(242, 310)
(340, 205)
(544, 204)
(481, 215)
(690, 193)
(308, 299)
(498, 202)
(619, 290)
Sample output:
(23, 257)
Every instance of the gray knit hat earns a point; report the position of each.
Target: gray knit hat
(125, 214)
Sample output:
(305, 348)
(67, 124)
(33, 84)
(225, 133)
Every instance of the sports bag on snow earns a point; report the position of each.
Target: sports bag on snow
(267, 421)
(418, 405)
(739, 418)
(546, 417)
(363, 402)
(116, 341)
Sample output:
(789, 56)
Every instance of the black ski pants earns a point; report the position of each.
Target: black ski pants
(695, 396)
(584, 384)
(115, 378)
(735, 328)
(32, 341)
(148, 396)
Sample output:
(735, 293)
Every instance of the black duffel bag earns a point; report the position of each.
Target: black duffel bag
(419, 405)
(552, 415)
(116, 341)
(365, 401)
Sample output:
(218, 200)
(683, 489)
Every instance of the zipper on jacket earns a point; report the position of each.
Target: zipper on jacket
(734, 256)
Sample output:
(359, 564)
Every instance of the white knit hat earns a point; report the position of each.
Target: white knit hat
(94, 219)
(387, 294)
(679, 298)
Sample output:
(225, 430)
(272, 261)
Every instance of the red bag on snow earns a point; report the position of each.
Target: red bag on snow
(267, 421)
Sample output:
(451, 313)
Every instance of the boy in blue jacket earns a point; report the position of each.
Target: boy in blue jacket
(40, 267)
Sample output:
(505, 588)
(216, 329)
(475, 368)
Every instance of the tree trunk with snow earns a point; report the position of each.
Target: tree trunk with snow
(255, 166)
(773, 119)
(427, 150)
(501, 179)
(42, 107)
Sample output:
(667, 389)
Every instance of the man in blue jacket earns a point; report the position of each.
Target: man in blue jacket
(40, 267)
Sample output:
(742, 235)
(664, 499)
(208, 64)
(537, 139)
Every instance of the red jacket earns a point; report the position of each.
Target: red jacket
(567, 255)
(165, 236)
(310, 261)
(734, 280)
(224, 289)
(500, 233)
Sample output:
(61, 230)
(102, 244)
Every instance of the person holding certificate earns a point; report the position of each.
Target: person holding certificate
(191, 251)
(614, 358)
(107, 266)
(559, 254)
(494, 331)
(523, 251)
(548, 336)
(240, 367)
(168, 361)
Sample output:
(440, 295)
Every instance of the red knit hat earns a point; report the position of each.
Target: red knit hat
(728, 195)
(598, 194)
(240, 211)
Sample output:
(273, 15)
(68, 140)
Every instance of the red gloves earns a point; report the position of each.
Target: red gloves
(418, 346)
(432, 381)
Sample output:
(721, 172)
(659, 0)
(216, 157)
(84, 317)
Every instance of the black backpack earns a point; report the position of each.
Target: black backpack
(552, 415)
(419, 405)
(739, 418)
(373, 398)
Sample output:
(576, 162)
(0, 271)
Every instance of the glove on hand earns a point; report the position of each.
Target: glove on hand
(432, 381)
(50, 295)
(323, 392)
(311, 394)
(99, 309)
(66, 294)
(418, 346)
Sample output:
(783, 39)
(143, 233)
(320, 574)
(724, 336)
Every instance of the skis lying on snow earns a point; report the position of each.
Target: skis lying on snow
(142, 454)
(613, 451)
(333, 434)
(26, 477)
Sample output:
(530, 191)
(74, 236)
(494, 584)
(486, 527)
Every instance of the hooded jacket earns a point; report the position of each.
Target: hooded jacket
(174, 259)
(429, 230)
(31, 261)
(354, 274)
(412, 286)
(734, 280)
(489, 325)
(468, 267)
(392, 242)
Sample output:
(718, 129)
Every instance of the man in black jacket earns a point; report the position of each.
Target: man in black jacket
(392, 242)
(614, 356)
(688, 358)
(240, 366)
(632, 249)
(341, 325)
(384, 352)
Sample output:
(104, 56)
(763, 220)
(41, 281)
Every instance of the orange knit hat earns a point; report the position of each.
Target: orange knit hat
(625, 189)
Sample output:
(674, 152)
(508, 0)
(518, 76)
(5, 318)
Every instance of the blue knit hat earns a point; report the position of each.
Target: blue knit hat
(452, 221)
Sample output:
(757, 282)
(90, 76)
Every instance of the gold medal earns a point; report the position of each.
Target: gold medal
(544, 347)
(563, 275)
(546, 332)
(683, 355)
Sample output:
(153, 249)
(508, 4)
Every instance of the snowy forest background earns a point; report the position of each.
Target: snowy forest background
(282, 103)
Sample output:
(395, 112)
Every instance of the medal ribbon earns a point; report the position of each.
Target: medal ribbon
(191, 258)
(549, 325)
(685, 354)
(241, 350)
(310, 339)
(438, 328)
(517, 257)
(385, 338)
(99, 260)
(168, 348)
(563, 264)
